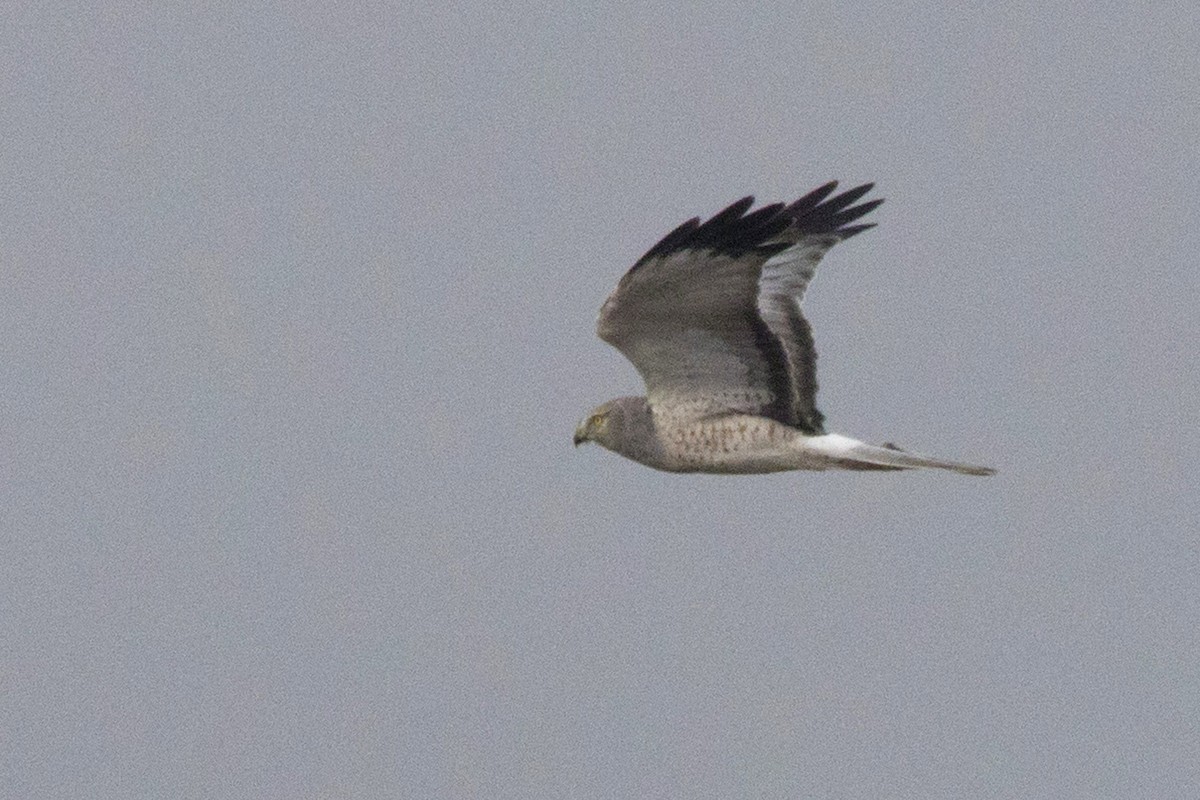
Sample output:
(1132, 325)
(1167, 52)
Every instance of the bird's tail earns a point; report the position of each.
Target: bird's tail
(852, 454)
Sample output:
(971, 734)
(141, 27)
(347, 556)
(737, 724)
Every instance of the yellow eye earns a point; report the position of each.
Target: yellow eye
(596, 421)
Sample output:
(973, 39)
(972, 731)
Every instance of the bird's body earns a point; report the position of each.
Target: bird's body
(711, 318)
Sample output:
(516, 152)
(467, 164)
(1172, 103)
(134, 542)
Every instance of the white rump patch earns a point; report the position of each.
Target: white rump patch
(832, 444)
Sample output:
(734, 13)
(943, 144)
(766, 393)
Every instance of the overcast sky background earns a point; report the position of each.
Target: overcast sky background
(297, 312)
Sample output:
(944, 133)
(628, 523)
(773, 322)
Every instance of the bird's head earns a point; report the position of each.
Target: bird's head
(594, 426)
(605, 424)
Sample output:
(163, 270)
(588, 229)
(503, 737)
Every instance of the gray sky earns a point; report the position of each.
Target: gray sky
(298, 312)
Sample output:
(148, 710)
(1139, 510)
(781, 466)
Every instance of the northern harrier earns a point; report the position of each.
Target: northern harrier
(710, 316)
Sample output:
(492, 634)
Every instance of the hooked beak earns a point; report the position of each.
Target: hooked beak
(582, 432)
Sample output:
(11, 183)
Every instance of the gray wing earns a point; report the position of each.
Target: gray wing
(710, 315)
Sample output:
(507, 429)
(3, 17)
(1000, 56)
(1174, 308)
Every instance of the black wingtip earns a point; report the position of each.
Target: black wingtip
(733, 231)
(732, 211)
(672, 241)
(853, 213)
(810, 200)
(832, 215)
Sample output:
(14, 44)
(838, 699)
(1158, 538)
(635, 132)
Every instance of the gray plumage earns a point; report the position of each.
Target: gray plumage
(710, 316)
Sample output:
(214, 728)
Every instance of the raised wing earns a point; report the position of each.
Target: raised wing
(710, 315)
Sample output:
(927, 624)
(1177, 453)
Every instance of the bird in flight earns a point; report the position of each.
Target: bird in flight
(710, 317)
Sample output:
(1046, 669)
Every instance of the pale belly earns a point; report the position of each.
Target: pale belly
(736, 444)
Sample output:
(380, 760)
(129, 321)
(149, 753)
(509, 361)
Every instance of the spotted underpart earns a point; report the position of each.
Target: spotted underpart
(735, 443)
